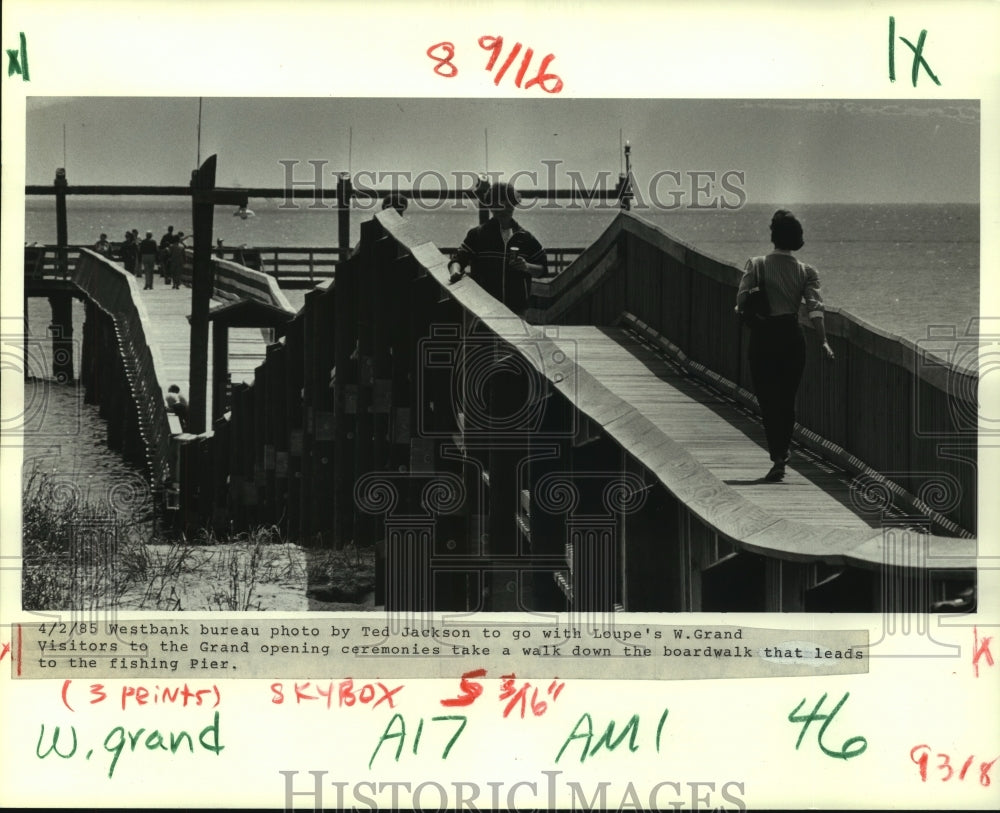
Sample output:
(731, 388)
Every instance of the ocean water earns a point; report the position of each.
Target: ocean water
(903, 268)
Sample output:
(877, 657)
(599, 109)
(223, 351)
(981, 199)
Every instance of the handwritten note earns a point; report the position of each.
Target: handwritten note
(499, 63)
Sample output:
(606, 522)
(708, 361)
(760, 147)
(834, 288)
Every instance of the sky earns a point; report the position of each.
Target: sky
(820, 151)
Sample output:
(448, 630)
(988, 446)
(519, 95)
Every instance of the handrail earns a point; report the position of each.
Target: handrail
(236, 282)
(116, 293)
(885, 400)
(281, 262)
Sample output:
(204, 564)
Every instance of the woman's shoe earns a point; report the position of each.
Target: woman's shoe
(776, 474)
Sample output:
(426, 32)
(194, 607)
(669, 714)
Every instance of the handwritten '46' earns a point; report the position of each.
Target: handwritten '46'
(444, 52)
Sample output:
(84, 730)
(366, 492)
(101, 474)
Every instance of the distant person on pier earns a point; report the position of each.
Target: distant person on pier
(177, 404)
(102, 246)
(164, 253)
(777, 347)
(504, 257)
(148, 250)
(177, 259)
(130, 253)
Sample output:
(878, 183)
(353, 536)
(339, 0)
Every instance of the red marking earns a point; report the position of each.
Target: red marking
(542, 77)
(3, 653)
(470, 689)
(558, 687)
(97, 690)
(980, 650)
(65, 695)
(367, 693)
(510, 59)
(549, 82)
(507, 690)
(945, 766)
(445, 61)
(524, 66)
(984, 772)
(495, 45)
(922, 761)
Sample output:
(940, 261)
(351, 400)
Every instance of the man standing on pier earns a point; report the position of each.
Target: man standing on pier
(165, 242)
(147, 256)
(504, 257)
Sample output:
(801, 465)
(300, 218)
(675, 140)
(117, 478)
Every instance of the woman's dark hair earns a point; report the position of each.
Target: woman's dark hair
(786, 231)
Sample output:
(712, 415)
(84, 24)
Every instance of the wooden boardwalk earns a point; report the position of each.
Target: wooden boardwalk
(168, 310)
(716, 432)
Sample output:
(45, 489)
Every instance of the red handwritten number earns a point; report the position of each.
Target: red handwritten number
(984, 772)
(444, 62)
(470, 689)
(494, 44)
(549, 82)
(946, 763)
(542, 77)
(921, 761)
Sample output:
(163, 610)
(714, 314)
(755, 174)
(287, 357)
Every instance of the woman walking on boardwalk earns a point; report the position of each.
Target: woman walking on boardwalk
(777, 347)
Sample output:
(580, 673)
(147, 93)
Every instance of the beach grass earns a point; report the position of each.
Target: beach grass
(82, 555)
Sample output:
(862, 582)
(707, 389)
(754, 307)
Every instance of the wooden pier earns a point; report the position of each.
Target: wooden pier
(600, 454)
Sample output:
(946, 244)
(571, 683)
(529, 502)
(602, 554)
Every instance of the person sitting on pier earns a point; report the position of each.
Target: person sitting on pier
(177, 404)
(504, 256)
(777, 349)
(102, 246)
(147, 256)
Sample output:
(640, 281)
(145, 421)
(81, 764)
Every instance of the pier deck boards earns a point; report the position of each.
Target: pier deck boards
(168, 312)
(714, 431)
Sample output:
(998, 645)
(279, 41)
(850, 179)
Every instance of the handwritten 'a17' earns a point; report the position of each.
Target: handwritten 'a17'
(444, 52)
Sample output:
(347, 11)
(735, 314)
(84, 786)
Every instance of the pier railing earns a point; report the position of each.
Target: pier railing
(114, 292)
(885, 405)
(292, 267)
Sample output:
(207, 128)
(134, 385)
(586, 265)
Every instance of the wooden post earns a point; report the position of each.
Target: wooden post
(220, 369)
(62, 237)
(344, 192)
(61, 330)
(294, 407)
(204, 197)
(202, 211)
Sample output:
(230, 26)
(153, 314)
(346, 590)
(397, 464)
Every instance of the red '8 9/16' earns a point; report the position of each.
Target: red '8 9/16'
(443, 52)
(920, 755)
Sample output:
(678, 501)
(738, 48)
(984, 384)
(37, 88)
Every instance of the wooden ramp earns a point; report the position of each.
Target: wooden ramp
(168, 310)
(715, 431)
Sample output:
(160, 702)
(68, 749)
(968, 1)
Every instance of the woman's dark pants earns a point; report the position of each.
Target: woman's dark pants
(777, 359)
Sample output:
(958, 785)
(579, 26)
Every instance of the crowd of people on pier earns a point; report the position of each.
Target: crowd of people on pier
(144, 257)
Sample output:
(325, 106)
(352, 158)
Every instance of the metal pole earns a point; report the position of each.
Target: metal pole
(627, 179)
